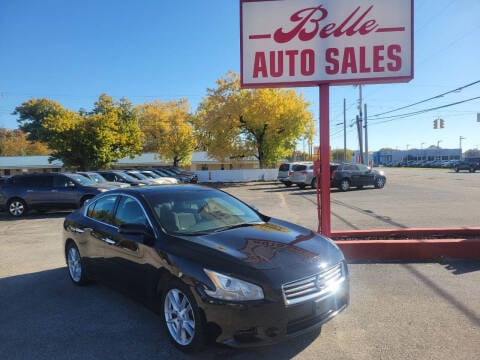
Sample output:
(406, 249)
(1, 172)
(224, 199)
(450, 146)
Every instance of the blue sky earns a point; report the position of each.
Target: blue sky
(72, 51)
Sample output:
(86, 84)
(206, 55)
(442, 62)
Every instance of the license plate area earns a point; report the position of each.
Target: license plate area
(326, 305)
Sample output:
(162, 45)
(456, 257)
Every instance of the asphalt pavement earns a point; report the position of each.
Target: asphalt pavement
(400, 310)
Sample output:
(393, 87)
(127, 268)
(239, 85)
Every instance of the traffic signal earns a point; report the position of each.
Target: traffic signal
(442, 123)
(435, 124)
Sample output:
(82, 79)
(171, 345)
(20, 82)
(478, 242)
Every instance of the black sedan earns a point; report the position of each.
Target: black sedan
(213, 267)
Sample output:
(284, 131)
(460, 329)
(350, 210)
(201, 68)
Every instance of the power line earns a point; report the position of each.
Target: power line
(432, 98)
(395, 117)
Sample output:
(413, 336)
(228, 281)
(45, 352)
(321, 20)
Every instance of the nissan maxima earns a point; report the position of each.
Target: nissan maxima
(214, 268)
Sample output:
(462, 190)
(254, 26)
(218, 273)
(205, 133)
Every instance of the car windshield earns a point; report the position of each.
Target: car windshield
(97, 178)
(150, 174)
(194, 212)
(81, 179)
(138, 175)
(127, 177)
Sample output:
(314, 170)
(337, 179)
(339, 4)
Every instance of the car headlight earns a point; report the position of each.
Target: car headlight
(230, 288)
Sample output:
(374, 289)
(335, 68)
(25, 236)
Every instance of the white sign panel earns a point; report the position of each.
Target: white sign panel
(310, 42)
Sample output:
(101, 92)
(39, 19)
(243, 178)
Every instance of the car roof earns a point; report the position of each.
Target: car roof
(174, 188)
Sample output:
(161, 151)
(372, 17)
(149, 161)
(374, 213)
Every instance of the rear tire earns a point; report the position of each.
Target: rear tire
(301, 186)
(344, 185)
(75, 265)
(314, 183)
(287, 184)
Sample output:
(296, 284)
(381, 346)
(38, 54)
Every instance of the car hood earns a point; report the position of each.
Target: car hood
(272, 245)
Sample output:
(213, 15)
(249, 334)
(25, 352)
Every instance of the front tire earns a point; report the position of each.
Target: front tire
(17, 207)
(314, 183)
(379, 183)
(75, 265)
(181, 318)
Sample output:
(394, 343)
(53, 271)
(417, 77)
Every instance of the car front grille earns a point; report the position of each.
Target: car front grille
(313, 286)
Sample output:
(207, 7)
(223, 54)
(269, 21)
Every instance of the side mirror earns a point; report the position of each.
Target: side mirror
(138, 229)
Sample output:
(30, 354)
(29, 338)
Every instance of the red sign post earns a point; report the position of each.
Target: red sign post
(296, 43)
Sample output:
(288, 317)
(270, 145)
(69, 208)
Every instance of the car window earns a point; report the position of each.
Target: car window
(129, 211)
(201, 211)
(284, 167)
(299, 167)
(62, 182)
(363, 168)
(350, 167)
(102, 209)
(81, 179)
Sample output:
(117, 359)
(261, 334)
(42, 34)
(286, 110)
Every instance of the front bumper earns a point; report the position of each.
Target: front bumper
(269, 322)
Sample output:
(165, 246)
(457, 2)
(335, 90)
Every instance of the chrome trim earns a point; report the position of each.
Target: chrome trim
(319, 285)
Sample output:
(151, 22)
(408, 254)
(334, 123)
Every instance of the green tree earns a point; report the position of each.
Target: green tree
(87, 140)
(32, 114)
(338, 154)
(168, 129)
(265, 123)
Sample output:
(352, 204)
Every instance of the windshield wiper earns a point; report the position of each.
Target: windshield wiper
(229, 227)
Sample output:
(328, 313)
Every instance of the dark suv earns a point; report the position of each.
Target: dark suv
(469, 164)
(344, 176)
(21, 193)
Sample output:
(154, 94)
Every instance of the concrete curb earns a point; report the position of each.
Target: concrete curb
(409, 244)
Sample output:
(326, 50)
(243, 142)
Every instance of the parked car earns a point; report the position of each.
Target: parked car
(469, 164)
(304, 175)
(120, 176)
(151, 175)
(345, 176)
(285, 172)
(182, 175)
(215, 268)
(99, 179)
(21, 193)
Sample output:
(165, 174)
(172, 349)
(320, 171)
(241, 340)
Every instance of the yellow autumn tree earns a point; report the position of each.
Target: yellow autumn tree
(266, 123)
(168, 129)
(15, 143)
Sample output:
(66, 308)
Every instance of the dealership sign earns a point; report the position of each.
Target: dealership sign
(312, 42)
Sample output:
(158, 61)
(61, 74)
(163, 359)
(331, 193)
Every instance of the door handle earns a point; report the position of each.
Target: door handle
(109, 241)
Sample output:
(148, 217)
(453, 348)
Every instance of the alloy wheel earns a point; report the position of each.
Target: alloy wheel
(74, 263)
(179, 317)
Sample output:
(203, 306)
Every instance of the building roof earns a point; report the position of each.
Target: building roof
(39, 161)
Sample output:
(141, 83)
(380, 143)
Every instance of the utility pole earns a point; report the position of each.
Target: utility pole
(366, 133)
(461, 138)
(344, 130)
(359, 125)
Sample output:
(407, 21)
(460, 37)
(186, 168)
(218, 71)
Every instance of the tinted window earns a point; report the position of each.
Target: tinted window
(129, 211)
(284, 167)
(62, 182)
(102, 209)
(299, 167)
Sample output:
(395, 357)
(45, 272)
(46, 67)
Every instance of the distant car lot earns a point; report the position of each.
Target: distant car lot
(397, 311)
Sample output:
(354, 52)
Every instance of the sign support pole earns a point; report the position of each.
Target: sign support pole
(323, 191)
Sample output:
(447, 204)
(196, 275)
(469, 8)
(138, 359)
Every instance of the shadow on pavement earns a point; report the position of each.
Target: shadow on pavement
(45, 316)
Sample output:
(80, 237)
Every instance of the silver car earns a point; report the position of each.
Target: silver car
(303, 175)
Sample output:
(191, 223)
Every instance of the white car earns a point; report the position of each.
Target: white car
(157, 178)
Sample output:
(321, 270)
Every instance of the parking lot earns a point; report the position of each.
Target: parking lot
(397, 310)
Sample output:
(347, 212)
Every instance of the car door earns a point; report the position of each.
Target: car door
(37, 189)
(366, 175)
(65, 191)
(124, 253)
(96, 228)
